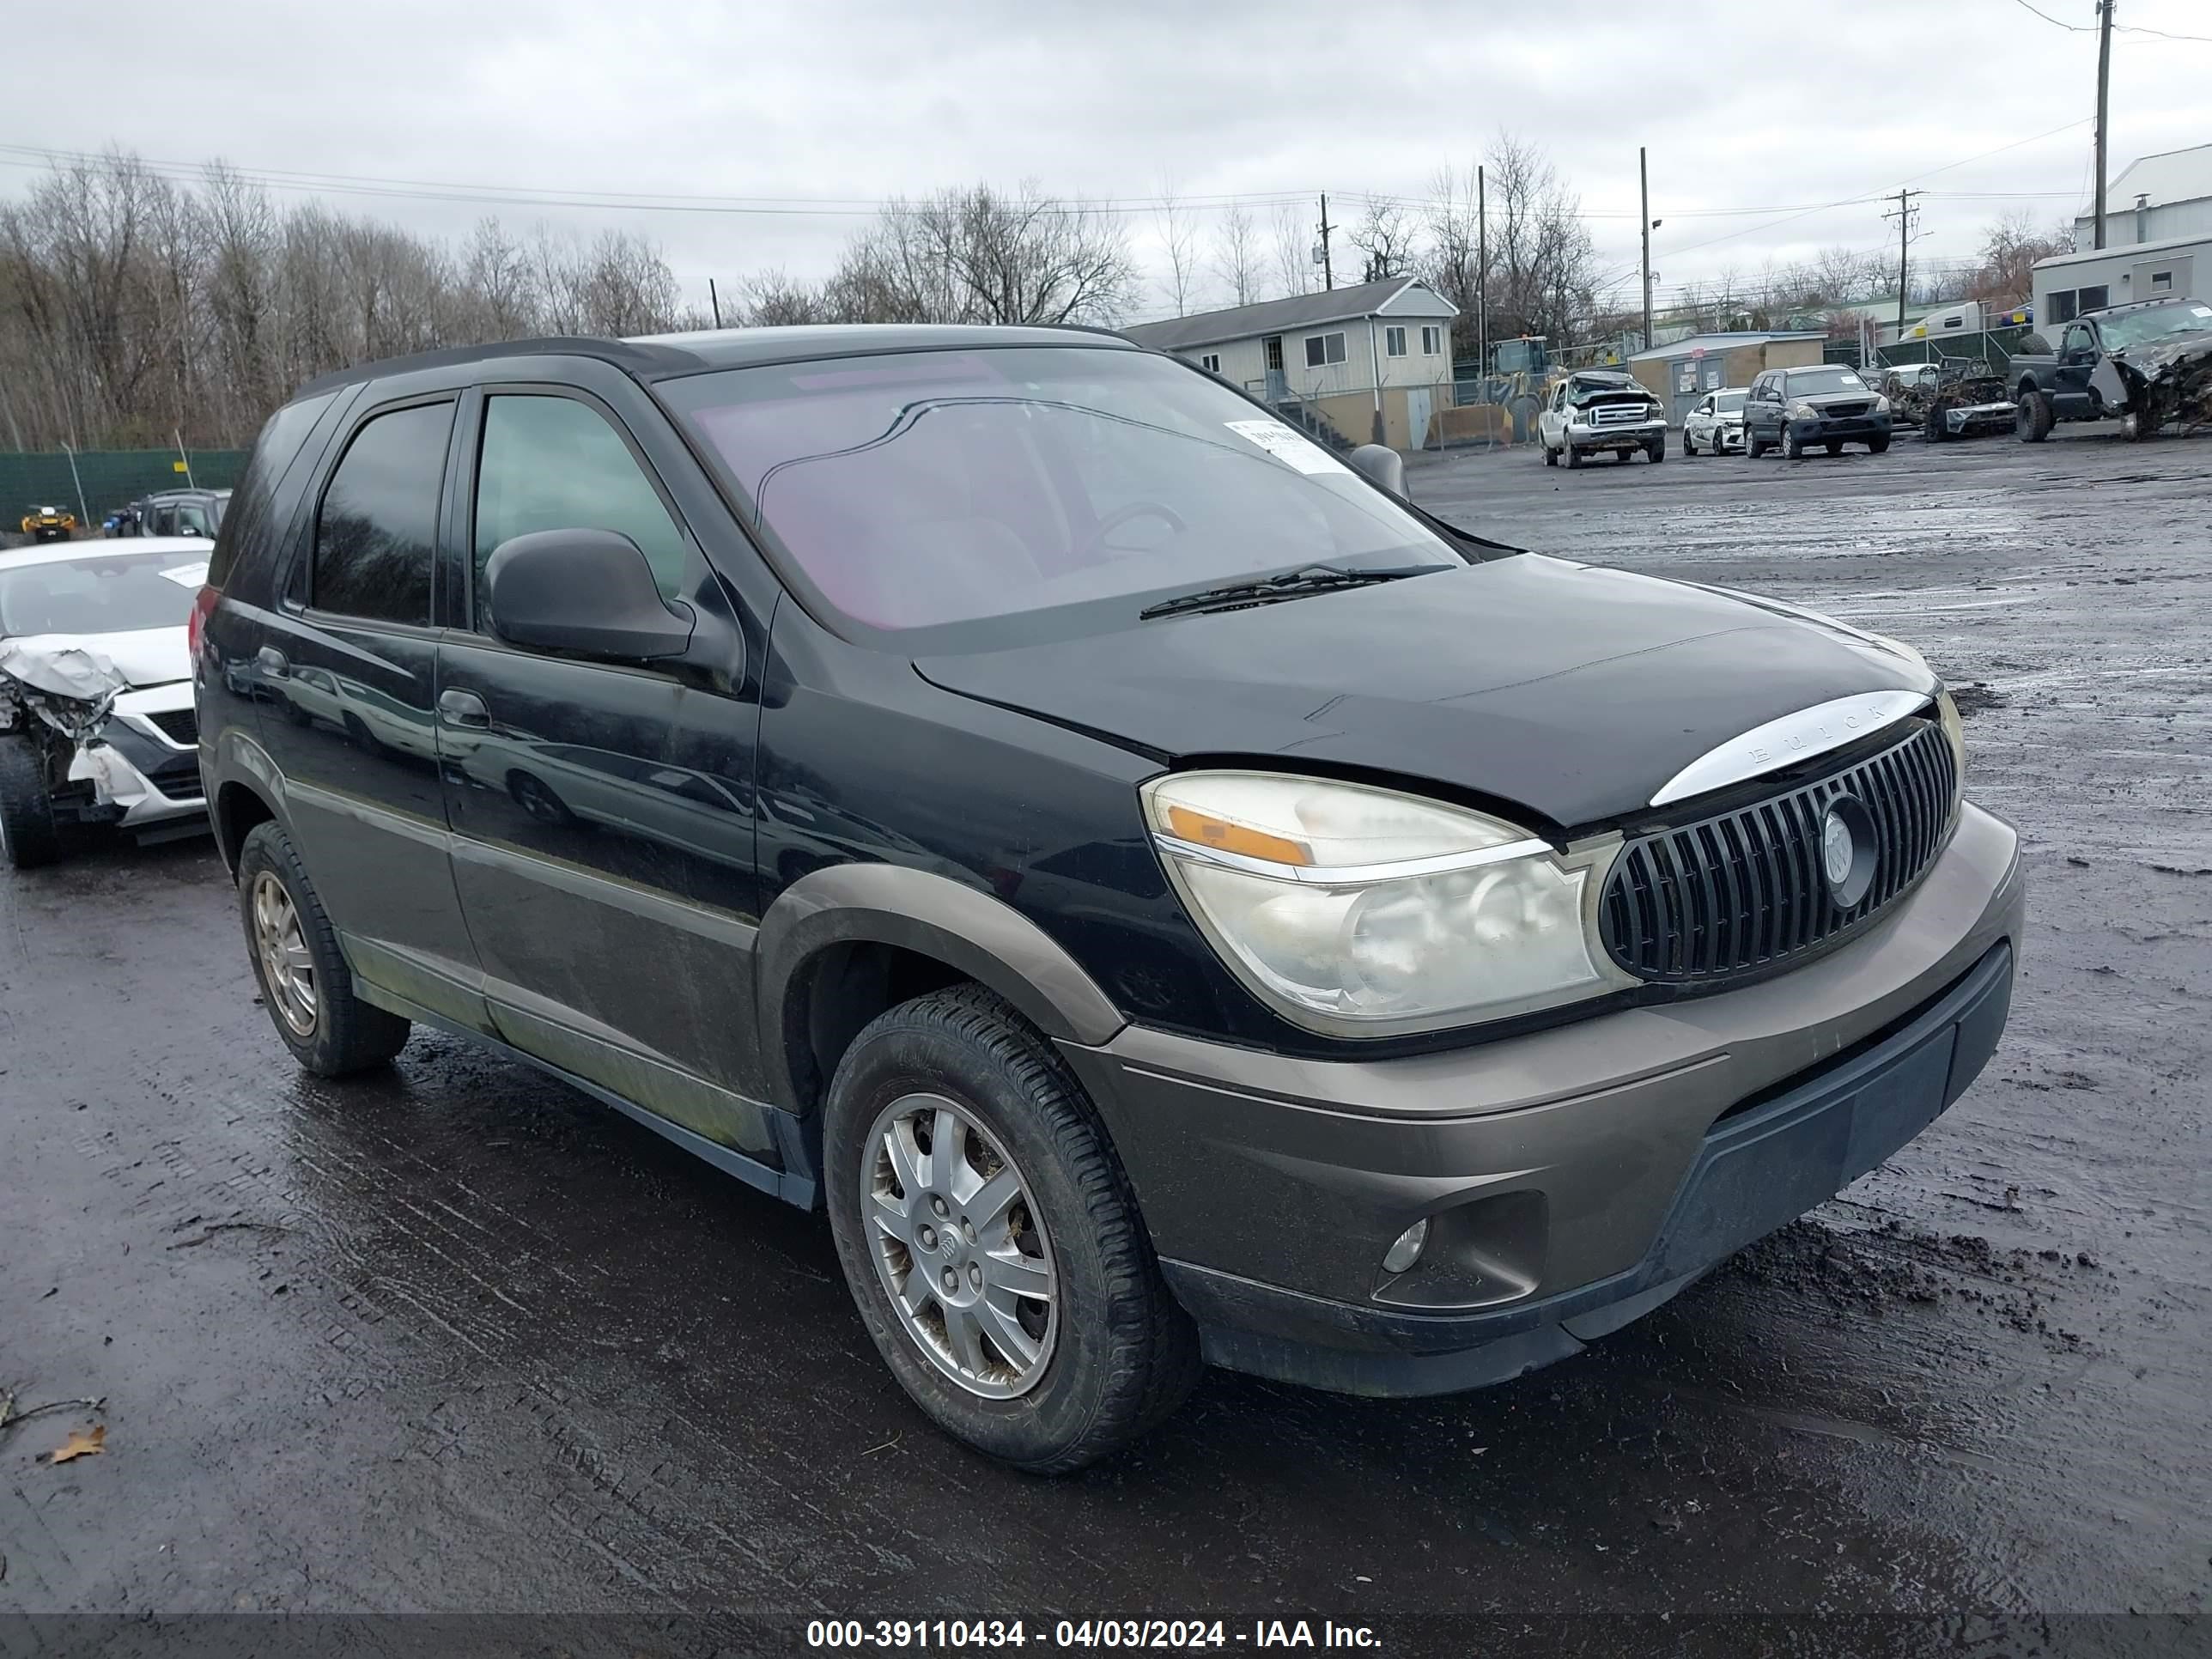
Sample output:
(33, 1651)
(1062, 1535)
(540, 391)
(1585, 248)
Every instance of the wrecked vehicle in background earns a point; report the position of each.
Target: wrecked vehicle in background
(2148, 364)
(96, 719)
(1950, 397)
(1596, 410)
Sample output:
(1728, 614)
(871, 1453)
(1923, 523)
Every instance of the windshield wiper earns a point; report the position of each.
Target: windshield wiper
(1290, 584)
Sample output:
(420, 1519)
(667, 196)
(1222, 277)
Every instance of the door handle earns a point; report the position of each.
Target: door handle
(463, 708)
(272, 662)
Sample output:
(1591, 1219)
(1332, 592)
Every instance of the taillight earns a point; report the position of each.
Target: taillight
(196, 628)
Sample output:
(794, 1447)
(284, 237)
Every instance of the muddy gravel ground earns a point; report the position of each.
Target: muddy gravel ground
(456, 1340)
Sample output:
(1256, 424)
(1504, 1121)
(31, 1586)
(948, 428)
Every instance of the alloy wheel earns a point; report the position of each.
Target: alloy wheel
(959, 1247)
(287, 969)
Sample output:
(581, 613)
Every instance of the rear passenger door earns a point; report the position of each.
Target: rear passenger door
(604, 840)
(349, 665)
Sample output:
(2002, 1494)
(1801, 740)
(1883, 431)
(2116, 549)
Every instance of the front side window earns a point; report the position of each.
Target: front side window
(1324, 348)
(1011, 494)
(377, 524)
(555, 463)
(1394, 342)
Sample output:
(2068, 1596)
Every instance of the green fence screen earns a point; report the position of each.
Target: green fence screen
(109, 477)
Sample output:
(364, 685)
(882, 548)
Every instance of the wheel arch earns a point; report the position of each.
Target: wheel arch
(840, 945)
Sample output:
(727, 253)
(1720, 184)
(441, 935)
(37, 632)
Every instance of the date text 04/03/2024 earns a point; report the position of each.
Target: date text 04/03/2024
(1139, 1633)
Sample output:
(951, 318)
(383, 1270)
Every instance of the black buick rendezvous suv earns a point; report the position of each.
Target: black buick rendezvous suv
(1167, 897)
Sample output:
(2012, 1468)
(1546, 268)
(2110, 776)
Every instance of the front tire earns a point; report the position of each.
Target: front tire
(991, 1240)
(1793, 446)
(1876, 446)
(1574, 457)
(29, 833)
(1656, 449)
(305, 982)
(1551, 456)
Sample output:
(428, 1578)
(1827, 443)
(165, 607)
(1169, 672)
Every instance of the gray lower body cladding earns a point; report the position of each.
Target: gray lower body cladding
(1574, 1178)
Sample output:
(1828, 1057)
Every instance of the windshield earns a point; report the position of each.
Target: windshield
(1729, 403)
(110, 594)
(1015, 493)
(2141, 327)
(1815, 381)
(1580, 389)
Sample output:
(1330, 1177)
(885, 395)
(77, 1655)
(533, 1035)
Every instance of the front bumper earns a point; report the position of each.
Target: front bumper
(1583, 436)
(1979, 417)
(1840, 429)
(1573, 1178)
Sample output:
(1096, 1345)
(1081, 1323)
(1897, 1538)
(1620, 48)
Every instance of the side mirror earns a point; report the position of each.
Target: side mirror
(1380, 465)
(589, 592)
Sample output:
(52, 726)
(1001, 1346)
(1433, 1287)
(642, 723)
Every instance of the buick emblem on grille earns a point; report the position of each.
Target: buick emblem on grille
(1849, 849)
(1836, 848)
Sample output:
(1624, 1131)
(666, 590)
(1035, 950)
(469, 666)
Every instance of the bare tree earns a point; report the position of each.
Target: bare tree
(1450, 263)
(2010, 247)
(1386, 235)
(1237, 256)
(1178, 234)
(1294, 271)
(1543, 275)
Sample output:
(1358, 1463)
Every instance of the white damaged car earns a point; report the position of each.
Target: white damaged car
(96, 720)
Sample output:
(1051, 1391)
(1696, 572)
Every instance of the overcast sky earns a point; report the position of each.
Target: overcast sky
(832, 105)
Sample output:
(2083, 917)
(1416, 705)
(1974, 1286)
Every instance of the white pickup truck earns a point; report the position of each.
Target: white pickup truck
(1595, 410)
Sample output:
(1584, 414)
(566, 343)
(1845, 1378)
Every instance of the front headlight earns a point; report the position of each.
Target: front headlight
(1361, 912)
(1803, 412)
(1954, 730)
(1881, 405)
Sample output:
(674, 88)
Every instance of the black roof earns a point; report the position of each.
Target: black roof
(665, 356)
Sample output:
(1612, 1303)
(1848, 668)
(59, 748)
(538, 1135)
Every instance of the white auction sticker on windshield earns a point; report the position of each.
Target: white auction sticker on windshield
(189, 576)
(1287, 444)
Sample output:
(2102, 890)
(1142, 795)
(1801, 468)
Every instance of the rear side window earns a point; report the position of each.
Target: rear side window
(273, 451)
(555, 463)
(377, 525)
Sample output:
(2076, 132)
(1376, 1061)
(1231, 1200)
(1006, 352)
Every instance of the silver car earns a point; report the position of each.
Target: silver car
(1715, 425)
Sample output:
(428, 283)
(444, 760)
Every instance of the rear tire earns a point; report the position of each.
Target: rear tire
(29, 834)
(2031, 420)
(1118, 1354)
(331, 1031)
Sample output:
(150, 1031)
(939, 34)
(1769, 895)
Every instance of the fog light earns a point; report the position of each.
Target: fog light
(1407, 1249)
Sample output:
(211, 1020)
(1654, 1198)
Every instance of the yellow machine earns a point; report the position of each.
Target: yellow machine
(49, 524)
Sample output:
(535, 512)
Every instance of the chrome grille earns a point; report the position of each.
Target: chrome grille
(1617, 413)
(1745, 889)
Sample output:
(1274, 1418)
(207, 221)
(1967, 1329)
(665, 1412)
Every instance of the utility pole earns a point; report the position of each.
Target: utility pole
(1327, 270)
(1643, 188)
(2104, 103)
(715, 301)
(1481, 281)
(1905, 213)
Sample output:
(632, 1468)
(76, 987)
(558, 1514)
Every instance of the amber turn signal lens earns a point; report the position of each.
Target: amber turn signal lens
(1206, 831)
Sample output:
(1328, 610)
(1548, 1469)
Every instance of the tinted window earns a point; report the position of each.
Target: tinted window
(379, 522)
(274, 451)
(555, 463)
(917, 490)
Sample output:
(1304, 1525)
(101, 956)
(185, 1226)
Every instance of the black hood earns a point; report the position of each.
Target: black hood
(1572, 691)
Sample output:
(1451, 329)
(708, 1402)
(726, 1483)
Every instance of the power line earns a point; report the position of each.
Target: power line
(2121, 29)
